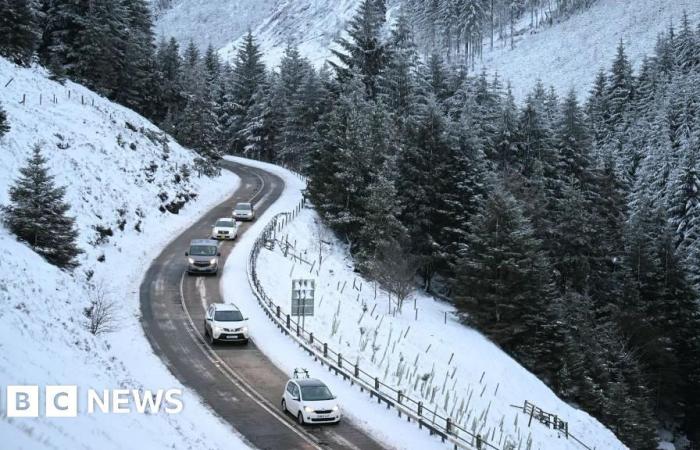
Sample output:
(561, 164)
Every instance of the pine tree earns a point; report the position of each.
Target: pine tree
(4, 125)
(620, 89)
(247, 76)
(19, 30)
(363, 52)
(171, 100)
(399, 82)
(348, 151)
(138, 86)
(37, 214)
(684, 216)
(503, 281)
(298, 88)
(598, 111)
(420, 164)
(505, 148)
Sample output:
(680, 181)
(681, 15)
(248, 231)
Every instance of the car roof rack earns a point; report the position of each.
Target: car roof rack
(301, 373)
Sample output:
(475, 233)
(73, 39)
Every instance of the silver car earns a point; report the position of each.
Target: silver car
(244, 211)
(203, 256)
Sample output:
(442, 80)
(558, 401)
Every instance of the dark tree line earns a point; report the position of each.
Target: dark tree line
(566, 231)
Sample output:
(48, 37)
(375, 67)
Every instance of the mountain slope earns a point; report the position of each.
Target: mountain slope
(215, 22)
(570, 53)
(566, 54)
(121, 174)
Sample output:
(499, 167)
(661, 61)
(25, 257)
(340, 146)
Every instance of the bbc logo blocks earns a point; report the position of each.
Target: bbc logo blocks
(25, 401)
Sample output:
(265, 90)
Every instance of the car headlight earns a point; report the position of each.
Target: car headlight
(217, 329)
(212, 261)
(244, 329)
(335, 408)
(190, 260)
(308, 409)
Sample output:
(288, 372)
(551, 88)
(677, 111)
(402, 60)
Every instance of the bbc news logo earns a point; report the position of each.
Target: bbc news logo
(65, 401)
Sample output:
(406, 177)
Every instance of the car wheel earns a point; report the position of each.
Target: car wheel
(245, 341)
(284, 406)
(300, 418)
(212, 341)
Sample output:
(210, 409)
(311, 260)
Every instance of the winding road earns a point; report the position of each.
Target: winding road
(238, 382)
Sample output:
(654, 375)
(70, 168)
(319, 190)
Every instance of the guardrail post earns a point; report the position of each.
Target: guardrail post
(325, 350)
(278, 311)
(478, 442)
(311, 338)
(340, 360)
(398, 400)
(288, 322)
(420, 408)
(376, 383)
(448, 426)
(357, 371)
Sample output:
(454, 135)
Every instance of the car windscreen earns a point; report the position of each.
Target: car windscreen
(203, 250)
(225, 223)
(315, 393)
(243, 207)
(228, 316)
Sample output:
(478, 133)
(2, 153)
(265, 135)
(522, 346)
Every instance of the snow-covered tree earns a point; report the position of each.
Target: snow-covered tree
(363, 53)
(38, 215)
(504, 280)
(19, 30)
(4, 125)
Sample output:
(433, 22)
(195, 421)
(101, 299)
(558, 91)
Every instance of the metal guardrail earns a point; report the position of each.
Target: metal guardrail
(414, 410)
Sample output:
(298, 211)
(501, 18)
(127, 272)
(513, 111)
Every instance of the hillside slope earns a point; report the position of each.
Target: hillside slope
(122, 175)
(570, 53)
(566, 54)
(215, 22)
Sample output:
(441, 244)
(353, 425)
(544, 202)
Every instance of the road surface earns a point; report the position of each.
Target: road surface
(238, 382)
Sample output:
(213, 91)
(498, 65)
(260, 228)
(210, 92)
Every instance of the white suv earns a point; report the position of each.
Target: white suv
(310, 401)
(224, 322)
(225, 228)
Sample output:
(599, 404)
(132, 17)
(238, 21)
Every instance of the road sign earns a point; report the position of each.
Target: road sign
(303, 293)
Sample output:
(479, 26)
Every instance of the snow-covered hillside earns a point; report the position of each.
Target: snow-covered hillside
(566, 54)
(121, 175)
(312, 25)
(215, 22)
(570, 53)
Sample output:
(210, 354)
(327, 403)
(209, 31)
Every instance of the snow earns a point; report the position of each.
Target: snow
(473, 356)
(567, 54)
(570, 53)
(312, 25)
(42, 335)
(215, 22)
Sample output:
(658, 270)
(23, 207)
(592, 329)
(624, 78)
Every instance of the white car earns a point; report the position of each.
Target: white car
(225, 228)
(224, 322)
(244, 211)
(310, 401)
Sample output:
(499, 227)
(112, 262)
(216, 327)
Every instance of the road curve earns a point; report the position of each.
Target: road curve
(238, 382)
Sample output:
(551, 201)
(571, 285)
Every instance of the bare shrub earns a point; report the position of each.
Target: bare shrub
(101, 315)
(395, 270)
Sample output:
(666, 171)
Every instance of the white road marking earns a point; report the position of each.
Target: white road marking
(202, 288)
(233, 377)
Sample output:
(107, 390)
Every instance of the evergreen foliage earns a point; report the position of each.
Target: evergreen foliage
(38, 215)
(19, 30)
(4, 125)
